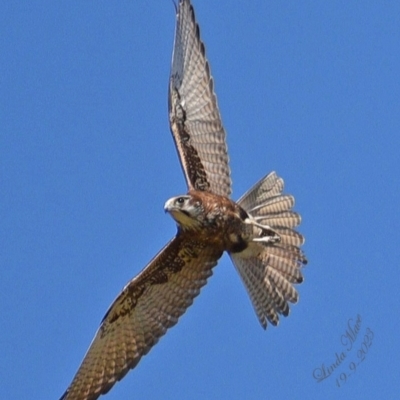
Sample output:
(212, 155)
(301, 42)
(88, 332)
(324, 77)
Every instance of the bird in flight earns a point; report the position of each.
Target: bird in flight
(256, 231)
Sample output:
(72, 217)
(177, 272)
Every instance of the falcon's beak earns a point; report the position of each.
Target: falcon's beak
(172, 208)
(168, 206)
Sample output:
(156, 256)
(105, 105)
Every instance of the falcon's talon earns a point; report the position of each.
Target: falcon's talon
(268, 239)
(252, 221)
(268, 235)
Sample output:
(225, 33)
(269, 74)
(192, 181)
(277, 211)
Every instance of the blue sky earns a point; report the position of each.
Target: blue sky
(309, 89)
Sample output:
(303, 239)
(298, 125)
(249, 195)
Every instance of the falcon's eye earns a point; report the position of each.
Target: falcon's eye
(180, 200)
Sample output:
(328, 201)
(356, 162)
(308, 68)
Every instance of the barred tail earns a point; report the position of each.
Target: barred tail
(269, 270)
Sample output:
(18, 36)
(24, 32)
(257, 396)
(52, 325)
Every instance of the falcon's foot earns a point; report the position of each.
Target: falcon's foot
(267, 235)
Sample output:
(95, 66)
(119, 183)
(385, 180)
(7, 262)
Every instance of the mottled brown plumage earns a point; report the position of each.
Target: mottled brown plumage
(257, 232)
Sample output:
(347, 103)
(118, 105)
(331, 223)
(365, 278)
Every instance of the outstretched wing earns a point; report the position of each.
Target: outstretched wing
(193, 111)
(148, 305)
(269, 270)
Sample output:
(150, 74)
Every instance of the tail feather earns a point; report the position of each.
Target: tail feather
(288, 219)
(286, 267)
(289, 236)
(252, 274)
(269, 269)
(273, 205)
(283, 286)
(266, 188)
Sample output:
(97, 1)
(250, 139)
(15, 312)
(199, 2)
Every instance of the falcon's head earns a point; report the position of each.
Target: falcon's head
(186, 210)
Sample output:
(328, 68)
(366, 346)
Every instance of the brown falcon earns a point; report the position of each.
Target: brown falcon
(256, 231)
